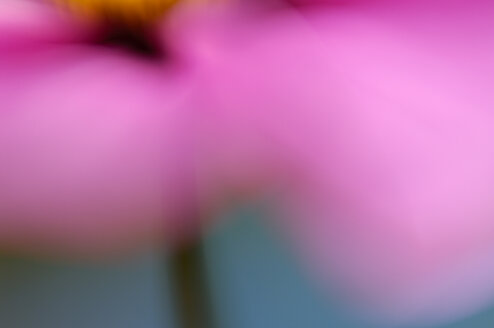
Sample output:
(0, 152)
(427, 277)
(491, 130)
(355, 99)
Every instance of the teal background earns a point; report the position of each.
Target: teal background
(255, 283)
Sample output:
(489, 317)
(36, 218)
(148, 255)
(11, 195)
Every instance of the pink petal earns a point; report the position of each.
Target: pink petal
(95, 145)
(31, 23)
(377, 125)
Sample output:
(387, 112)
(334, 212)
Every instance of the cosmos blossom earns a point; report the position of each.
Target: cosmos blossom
(367, 123)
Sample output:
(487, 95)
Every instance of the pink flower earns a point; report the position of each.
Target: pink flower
(368, 123)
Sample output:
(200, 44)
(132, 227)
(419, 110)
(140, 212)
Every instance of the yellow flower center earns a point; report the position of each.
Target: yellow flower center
(120, 11)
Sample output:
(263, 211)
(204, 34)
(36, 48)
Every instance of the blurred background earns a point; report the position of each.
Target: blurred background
(254, 279)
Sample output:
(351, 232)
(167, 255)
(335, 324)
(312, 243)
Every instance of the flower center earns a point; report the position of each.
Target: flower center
(128, 12)
(124, 24)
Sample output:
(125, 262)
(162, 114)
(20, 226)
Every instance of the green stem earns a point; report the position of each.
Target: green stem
(192, 295)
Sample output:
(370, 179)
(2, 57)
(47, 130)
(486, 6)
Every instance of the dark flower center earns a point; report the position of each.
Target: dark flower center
(140, 41)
